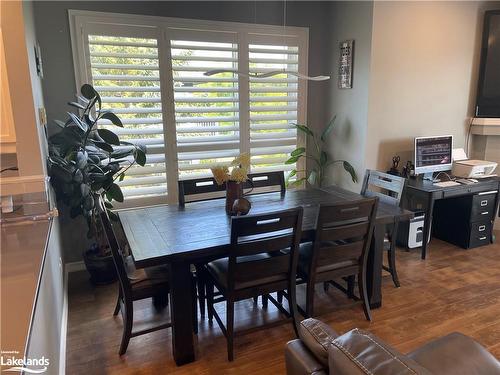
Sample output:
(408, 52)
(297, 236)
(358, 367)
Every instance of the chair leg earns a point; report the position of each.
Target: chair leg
(200, 281)
(310, 299)
(391, 259)
(117, 308)
(326, 286)
(210, 300)
(230, 329)
(160, 301)
(350, 286)
(128, 319)
(265, 301)
(363, 294)
(292, 306)
(255, 300)
(280, 297)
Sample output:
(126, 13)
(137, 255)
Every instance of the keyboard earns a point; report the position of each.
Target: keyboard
(446, 183)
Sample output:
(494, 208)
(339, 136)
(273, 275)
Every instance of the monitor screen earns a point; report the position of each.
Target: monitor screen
(433, 153)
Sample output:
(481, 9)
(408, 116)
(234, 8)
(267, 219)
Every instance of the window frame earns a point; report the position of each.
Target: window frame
(165, 29)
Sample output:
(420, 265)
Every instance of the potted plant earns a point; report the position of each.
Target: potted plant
(321, 159)
(84, 163)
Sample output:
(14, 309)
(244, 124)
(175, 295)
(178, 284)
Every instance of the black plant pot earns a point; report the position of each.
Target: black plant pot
(101, 268)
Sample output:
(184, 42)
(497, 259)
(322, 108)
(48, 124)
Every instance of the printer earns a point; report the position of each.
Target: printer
(471, 168)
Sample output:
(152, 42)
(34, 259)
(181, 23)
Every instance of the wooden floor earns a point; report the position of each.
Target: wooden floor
(453, 290)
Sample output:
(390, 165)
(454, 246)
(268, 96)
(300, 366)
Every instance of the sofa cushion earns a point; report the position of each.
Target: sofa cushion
(360, 352)
(300, 361)
(456, 354)
(317, 336)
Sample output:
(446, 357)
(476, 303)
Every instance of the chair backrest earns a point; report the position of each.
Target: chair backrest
(387, 187)
(206, 188)
(262, 234)
(265, 182)
(116, 252)
(193, 189)
(343, 233)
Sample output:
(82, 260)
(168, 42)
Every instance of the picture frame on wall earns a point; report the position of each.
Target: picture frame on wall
(346, 64)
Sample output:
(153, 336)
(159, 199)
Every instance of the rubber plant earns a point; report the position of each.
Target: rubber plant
(86, 161)
(321, 159)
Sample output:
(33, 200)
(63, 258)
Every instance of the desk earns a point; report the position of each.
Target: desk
(200, 232)
(422, 194)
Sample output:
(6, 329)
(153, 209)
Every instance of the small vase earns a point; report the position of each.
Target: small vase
(234, 190)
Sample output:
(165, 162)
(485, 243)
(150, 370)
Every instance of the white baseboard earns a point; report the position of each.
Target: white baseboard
(74, 266)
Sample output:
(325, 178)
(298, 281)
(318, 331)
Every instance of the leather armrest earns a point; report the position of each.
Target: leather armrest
(456, 354)
(317, 337)
(360, 353)
(300, 361)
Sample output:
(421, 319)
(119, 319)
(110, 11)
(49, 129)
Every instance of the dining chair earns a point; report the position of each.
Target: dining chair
(389, 189)
(339, 250)
(203, 189)
(256, 266)
(137, 284)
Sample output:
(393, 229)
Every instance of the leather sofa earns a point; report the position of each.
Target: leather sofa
(320, 351)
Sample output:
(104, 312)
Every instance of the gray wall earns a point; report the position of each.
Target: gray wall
(52, 27)
(349, 20)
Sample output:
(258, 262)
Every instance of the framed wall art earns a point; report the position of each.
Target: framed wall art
(346, 64)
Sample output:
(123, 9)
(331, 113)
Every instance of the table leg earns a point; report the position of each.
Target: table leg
(374, 267)
(427, 225)
(181, 313)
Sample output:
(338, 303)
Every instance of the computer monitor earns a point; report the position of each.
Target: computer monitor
(433, 154)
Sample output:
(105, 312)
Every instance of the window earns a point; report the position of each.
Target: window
(150, 71)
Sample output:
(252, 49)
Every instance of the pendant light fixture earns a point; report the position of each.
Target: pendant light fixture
(273, 72)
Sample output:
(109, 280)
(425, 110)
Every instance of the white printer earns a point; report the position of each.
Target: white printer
(470, 168)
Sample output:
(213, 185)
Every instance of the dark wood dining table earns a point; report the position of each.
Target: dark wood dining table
(200, 232)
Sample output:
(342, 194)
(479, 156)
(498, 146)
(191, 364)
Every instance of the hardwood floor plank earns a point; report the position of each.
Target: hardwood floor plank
(452, 290)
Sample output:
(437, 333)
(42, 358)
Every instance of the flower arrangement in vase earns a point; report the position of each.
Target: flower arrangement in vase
(233, 176)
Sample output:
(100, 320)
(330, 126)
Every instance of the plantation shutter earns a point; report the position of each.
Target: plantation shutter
(150, 72)
(125, 71)
(206, 107)
(273, 104)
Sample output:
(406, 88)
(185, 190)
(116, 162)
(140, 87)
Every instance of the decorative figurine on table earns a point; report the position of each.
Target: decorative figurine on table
(395, 164)
(408, 169)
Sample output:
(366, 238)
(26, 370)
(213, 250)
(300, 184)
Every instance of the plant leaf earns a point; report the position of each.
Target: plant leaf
(298, 182)
(140, 157)
(313, 177)
(298, 151)
(323, 159)
(113, 118)
(293, 159)
(350, 169)
(328, 128)
(76, 120)
(108, 136)
(77, 105)
(304, 129)
(103, 146)
(114, 192)
(88, 91)
(112, 215)
(59, 123)
(292, 173)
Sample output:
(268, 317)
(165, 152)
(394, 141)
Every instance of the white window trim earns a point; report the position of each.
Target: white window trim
(163, 29)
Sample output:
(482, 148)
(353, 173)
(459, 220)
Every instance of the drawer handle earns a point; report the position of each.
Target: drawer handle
(482, 228)
(484, 203)
(482, 238)
(484, 213)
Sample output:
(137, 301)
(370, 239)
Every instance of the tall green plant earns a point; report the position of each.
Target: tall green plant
(321, 159)
(85, 161)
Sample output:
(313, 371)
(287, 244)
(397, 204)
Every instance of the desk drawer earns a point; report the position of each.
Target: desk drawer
(483, 206)
(480, 233)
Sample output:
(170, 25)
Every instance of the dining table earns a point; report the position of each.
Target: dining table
(199, 232)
